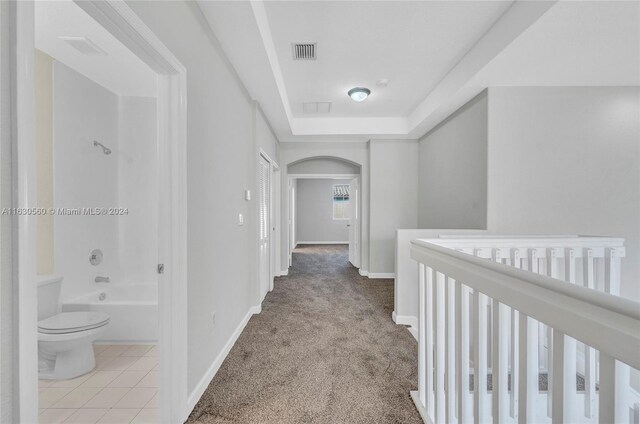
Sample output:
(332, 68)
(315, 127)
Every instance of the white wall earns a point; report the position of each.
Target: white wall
(222, 155)
(265, 137)
(8, 315)
(323, 166)
(453, 170)
(394, 192)
(137, 153)
(354, 152)
(84, 177)
(314, 206)
(566, 160)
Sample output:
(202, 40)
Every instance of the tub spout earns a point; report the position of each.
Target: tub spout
(102, 280)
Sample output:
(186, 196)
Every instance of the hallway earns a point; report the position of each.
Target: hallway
(323, 350)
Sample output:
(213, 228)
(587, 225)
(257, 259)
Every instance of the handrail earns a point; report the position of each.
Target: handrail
(605, 322)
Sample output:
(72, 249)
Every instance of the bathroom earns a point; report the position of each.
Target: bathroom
(97, 233)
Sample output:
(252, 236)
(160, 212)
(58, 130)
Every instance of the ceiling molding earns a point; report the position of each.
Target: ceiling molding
(517, 18)
(260, 15)
(538, 43)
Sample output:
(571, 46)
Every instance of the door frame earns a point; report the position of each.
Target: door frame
(293, 209)
(120, 20)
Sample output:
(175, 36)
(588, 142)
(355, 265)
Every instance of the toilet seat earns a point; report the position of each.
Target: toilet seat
(72, 322)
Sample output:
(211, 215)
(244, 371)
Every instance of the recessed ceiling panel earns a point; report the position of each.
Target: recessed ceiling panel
(410, 44)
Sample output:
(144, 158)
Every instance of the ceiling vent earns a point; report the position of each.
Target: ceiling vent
(304, 51)
(84, 46)
(316, 107)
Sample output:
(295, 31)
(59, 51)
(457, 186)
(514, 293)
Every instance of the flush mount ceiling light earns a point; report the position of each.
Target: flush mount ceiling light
(359, 94)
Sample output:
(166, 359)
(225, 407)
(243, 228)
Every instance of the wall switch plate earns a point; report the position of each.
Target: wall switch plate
(247, 195)
(240, 219)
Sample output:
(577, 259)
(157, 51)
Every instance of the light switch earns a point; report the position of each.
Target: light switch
(247, 194)
(240, 219)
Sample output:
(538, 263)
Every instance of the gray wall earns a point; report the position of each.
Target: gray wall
(394, 192)
(222, 152)
(566, 160)
(314, 207)
(453, 170)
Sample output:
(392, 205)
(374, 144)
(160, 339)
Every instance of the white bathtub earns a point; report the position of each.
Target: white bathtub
(133, 308)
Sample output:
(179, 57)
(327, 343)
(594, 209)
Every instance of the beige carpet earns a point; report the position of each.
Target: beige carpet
(323, 350)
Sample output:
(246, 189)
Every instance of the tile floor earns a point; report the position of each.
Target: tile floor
(121, 390)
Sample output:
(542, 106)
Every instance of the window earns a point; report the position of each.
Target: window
(341, 201)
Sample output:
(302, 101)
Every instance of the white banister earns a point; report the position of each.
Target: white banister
(462, 353)
(585, 329)
(450, 351)
(439, 341)
(479, 357)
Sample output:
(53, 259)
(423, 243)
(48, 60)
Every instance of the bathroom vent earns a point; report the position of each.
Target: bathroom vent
(84, 46)
(316, 107)
(304, 51)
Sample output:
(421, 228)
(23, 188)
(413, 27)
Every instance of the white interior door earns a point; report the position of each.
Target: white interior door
(264, 171)
(354, 223)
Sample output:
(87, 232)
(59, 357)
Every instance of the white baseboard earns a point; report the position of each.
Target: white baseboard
(323, 242)
(409, 320)
(282, 273)
(363, 272)
(382, 275)
(197, 393)
(421, 409)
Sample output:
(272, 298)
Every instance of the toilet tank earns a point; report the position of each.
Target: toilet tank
(49, 296)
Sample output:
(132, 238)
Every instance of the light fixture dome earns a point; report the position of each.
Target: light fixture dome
(359, 94)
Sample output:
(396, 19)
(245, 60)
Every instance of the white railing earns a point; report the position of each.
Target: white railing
(535, 348)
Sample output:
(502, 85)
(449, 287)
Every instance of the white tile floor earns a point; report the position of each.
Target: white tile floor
(121, 390)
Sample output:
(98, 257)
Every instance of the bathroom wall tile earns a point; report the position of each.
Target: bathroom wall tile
(137, 350)
(144, 363)
(150, 380)
(107, 398)
(128, 379)
(86, 416)
(147, 416)
(51, 395)
(101, 379)
(77, 398)
(54, 416)
(119, 416)
(115, 350)
(137, 397)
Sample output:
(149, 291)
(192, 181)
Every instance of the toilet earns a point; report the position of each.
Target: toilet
(65, 339)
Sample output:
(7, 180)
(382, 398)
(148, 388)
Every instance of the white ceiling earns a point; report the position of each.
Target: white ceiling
(410, 44)
(436, 54)
(120, 70)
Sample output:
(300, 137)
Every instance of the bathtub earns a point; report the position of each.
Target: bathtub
(133, 308)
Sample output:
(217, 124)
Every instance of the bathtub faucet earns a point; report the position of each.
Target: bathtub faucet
(102, 280)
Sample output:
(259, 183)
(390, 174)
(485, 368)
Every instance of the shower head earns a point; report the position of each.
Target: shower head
(105, 149)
